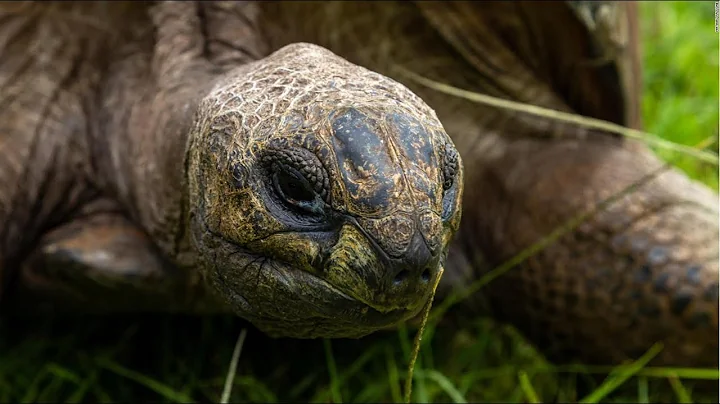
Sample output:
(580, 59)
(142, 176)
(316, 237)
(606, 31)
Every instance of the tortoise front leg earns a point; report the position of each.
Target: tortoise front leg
(642, 269)
(102, 263)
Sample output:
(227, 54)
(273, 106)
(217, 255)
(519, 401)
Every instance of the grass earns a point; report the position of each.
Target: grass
(681, 79)
(183, 358)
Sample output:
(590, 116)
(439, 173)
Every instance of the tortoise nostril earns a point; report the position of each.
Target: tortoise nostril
(400, 277)
(403, 277)
(408, 277)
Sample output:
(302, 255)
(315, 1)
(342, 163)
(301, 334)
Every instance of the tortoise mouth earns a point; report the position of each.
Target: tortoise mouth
(344, 318)
(285, 301)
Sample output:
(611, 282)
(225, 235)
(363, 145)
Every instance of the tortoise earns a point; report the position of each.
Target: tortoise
(276, 161)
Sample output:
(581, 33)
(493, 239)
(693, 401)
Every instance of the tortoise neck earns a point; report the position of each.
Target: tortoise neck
(154, 87)
(145, 122)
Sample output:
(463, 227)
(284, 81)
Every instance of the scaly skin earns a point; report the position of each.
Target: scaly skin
(372, 190)
(642, 270)
(311, 210)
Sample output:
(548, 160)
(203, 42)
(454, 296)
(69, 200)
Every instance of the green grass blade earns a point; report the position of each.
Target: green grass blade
(622, 375)
(342, 377)
(561, 116)
(32, 391)
(527, 388)
(332, 369)
(82, 390)
(680, 391)
(227, 389)
(417, 342)
(393, 376)
(64, 373)
(154, 385)
(643, 390)
(444, 383)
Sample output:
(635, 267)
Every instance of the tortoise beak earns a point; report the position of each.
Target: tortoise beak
(362, 270)
(406, 281)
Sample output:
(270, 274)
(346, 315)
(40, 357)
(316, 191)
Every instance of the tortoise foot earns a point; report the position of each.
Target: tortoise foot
(99, 263)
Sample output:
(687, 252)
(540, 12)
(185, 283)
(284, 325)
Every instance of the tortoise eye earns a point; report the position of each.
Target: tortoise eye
(292, 188)
(450, 166)
(300, 164)
(298, 177)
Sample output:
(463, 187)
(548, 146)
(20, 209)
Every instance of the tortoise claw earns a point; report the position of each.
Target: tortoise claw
(110, 249)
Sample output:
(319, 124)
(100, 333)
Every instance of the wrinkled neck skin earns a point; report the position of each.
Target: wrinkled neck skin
(145, 152)
(147, 108)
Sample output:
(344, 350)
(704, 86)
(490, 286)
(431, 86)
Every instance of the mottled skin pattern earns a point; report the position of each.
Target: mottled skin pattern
(376, 241)
(174, 134)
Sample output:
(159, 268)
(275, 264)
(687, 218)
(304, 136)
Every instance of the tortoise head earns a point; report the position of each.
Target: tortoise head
(323, 196)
